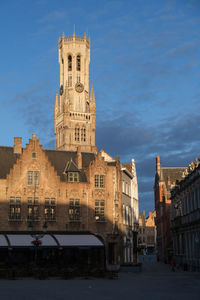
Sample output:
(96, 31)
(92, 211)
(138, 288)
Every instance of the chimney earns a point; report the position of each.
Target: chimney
(79, 158)
(17, 145)
(158, 164)
(34, 137)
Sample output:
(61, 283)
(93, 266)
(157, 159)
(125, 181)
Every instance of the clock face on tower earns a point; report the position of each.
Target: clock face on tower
(79, 87)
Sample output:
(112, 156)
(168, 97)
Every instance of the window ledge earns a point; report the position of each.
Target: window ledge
(15, 220)
(75, 221)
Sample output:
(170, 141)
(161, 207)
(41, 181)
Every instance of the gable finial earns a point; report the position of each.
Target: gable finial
(74, 31)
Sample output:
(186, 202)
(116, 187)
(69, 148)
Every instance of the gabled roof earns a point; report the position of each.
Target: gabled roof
(128, 167)
(172, 174)
(71, 167)
(7, 159)
(61, 159)
(58, 159)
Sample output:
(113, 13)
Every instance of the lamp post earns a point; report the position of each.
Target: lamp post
(37, 239)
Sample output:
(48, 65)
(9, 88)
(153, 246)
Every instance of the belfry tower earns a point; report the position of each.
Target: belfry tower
(74, 110)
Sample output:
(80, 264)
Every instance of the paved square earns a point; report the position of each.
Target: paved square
(155, 282)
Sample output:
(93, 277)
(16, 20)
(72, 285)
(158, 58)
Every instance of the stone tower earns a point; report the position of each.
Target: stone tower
(74, 110)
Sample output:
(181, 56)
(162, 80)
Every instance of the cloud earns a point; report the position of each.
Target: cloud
(53, 17)
(36, 111)
(42, 31)
(176, 140)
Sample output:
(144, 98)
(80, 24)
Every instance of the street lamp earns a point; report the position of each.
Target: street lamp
(37, 238)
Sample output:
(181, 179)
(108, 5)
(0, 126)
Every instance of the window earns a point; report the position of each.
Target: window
(33, 208)
(33, 154)
(123, 187)
(74, 210)
(70, 81)
(33, 177)
(73, 177)
(83, 134)
(50, 209)
(15, 208)
(99, 210)
(78, 78)
(99, 181)
(77, 134)
(69, 63)
(78, 63)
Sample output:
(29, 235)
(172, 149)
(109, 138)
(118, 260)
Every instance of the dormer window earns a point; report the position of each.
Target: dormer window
(72, 172)
(73, 176)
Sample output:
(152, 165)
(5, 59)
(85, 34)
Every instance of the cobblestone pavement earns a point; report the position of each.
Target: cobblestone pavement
(156, 282)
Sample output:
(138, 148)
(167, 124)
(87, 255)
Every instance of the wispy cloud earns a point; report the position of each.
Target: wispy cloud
(42, 31)
(36, 110)
(53, 17)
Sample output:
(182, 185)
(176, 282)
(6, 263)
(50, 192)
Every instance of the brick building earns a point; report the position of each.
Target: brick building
(74, 191)
(165, 180)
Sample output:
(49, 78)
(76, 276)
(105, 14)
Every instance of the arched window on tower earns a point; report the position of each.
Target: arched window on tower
(77, 134)
(69, 63)
(83, 134)
(78, 63)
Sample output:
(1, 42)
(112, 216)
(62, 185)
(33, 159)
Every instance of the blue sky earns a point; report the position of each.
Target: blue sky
(145, 68)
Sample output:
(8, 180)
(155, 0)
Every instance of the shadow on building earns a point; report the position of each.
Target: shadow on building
(70, 252)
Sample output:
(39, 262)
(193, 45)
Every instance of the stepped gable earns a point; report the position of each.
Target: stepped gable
(7, 160)
(63, 160)
(58, 159)
(87, 158)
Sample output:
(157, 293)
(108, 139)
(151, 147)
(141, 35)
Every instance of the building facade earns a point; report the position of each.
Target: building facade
(185, 220)
(147, 233)
(72, 190)
(142, 246)
(151, 232)
(165, 180)
(129, 212)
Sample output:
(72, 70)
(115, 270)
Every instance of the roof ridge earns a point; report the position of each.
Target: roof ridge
(6, 147)
(173, 167)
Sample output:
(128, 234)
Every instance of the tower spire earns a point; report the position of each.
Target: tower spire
(92, 96)
(56, 106)
(56, 99)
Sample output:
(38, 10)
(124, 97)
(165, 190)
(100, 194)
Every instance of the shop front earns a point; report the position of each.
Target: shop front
(54, 253)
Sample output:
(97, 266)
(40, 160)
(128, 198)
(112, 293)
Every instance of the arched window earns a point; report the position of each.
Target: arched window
(69, 63)
(78, 63)
(83, 134)
(77, 134)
